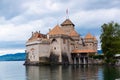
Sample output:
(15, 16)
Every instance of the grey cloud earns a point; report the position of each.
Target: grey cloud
(103, 4)
(14, 11)
(11, 8)
(12, 44)
(95, 4)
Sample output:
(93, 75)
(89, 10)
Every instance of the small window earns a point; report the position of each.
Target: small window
(64, 41)
(54, 48)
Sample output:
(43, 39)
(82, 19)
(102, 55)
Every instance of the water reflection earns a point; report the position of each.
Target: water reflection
(76, 72)
(43, 72)
(111, 73)
(14, 70)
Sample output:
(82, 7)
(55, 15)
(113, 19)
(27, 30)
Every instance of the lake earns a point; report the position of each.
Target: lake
(15, 70)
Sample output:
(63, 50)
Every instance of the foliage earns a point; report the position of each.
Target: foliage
(110, 39)
(110, 73)
(98, 56)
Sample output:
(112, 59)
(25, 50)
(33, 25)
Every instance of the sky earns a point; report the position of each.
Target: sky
(19, 18)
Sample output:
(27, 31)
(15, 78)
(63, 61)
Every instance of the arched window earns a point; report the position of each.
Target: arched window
(54, 40)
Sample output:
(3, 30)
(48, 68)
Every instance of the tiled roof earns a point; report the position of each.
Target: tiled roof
(67, 22)
(56, 30)
(83, 51)
(35, 36)
(94, 38)
(88, 36)
(74, 33)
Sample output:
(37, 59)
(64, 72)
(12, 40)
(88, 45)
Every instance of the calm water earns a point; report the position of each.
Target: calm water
(14, 70)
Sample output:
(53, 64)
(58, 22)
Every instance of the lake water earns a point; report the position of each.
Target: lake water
(15, 70)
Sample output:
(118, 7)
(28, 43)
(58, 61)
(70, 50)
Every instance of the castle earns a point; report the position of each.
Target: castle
(61, 45)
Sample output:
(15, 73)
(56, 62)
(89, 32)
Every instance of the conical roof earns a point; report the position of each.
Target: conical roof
(56, 30)
(74, 33)
(67, 22)
(94, 38)
(88, 36)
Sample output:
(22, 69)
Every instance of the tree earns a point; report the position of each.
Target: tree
(110, 39)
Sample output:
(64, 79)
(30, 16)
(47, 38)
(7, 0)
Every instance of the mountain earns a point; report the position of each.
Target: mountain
(13, 57)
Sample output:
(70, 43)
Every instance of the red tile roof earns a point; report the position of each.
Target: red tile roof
(83, 51)
(88, 36)
(94, 38)
(67, 22)
(56, 30)
(74, 33)
(35, 36)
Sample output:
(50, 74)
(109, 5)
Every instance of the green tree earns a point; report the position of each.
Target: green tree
(110, 39)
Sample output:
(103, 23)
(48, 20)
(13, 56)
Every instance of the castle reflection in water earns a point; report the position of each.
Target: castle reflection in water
(73, 72)
(76, 72)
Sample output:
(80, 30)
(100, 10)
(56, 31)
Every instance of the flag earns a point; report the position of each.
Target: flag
(67, 11)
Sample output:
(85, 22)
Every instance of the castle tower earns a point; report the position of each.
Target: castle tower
(67, 26)
(36, 45)
(58, 38)
(90, 42)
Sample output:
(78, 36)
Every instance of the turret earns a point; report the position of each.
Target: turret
(67, 26)
(90, 42)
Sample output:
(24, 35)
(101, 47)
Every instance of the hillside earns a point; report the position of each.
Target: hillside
(13, 57)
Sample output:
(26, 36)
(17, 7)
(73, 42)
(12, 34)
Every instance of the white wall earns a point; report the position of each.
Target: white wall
(33, 52)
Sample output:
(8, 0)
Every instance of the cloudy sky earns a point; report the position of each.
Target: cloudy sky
(18, 18)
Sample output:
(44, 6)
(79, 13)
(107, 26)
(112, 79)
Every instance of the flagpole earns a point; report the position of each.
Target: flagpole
(67, 17)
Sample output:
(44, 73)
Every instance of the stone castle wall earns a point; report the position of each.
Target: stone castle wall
(59, 47)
